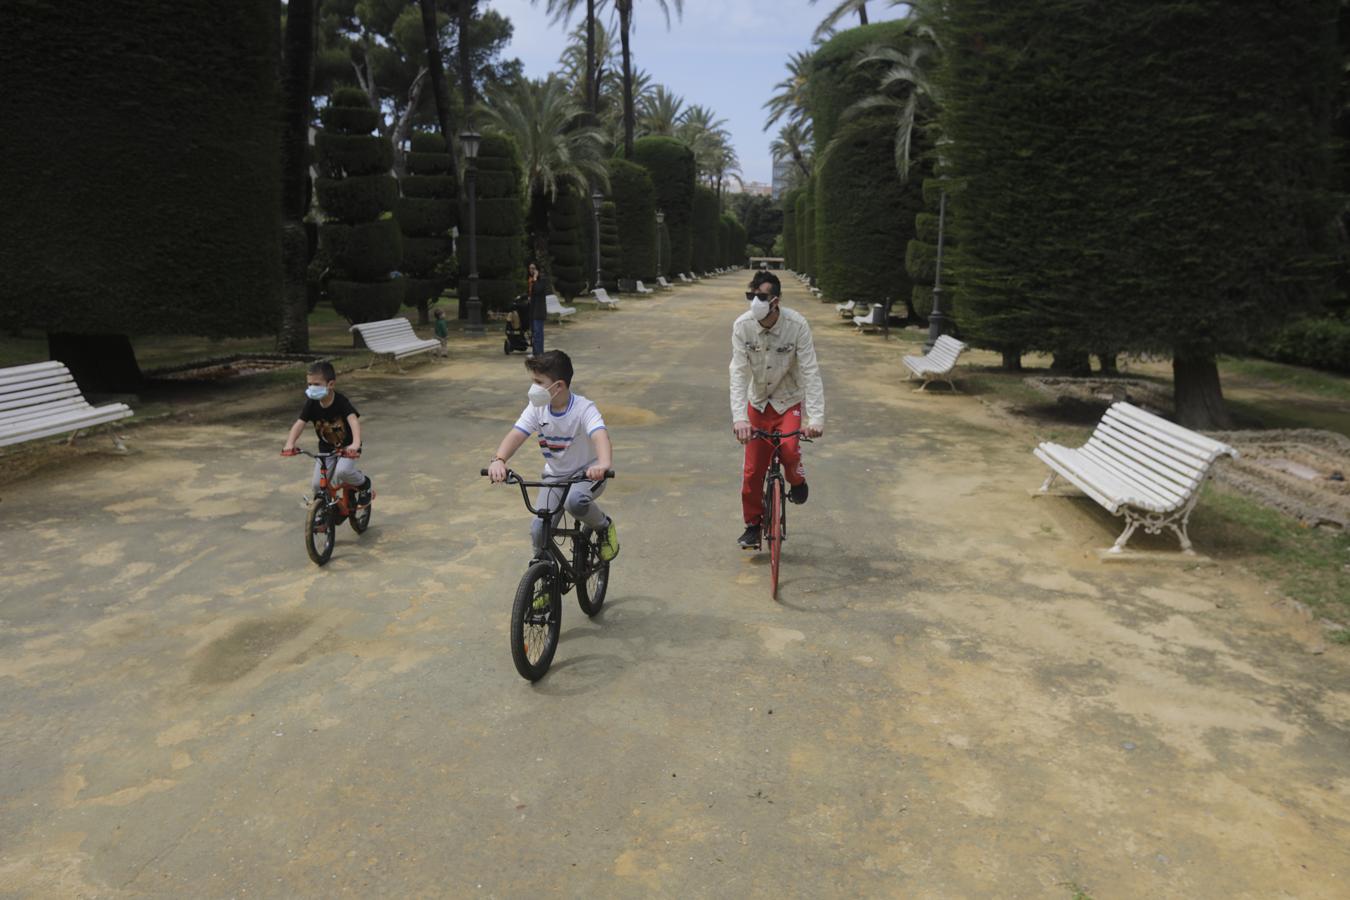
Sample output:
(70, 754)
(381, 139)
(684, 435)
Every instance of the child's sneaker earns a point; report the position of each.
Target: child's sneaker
(363, 494)
(541, 599)
(609, 541)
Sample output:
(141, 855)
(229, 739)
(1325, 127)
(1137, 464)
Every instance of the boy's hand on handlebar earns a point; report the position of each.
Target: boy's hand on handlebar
(597, 473)
(497, 471)
(289, 451)
(352, 452)
(742, 431)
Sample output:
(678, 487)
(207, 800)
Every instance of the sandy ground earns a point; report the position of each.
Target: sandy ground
(953, 697)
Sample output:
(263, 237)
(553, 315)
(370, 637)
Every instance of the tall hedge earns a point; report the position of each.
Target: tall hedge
(802, 229)
(707, 217)
(837, 83)
(864, 216)
(142, 187)
(568, 219)
(611, 247)
(501, 226)
(671, 165)
(790, 230)
(427, 211)
(1131, 185)
(810, 243)
(635, 214)
(360, 243)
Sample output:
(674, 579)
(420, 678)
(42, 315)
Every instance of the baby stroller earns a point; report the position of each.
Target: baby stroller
(517, 327)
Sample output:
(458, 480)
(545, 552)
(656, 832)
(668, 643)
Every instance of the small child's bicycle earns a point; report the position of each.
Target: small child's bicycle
(536, 614)
(775, 497)
(330, 506)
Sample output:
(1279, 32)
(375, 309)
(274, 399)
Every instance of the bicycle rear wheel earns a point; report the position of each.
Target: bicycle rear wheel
(591, 589)
(776, 516)
(319, 531)
(534, 628)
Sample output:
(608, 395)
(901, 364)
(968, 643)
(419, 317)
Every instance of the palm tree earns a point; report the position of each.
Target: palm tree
(842, 10)
(444, 116)
(706, 135)
(905, 91)
(590, 51)
(556, 146)
(625, 10)
(794, 142)
(790, 100)
(562, 11)
(660, 112)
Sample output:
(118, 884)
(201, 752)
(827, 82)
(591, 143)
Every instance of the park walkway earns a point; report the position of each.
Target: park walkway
(952, 699)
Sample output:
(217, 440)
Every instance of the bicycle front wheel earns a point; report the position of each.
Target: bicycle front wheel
(775, 515)
(591, 589)
(360, 517)
(536, 619)
(319, 531)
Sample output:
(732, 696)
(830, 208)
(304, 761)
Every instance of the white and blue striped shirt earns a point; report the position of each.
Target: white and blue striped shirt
(564, 437)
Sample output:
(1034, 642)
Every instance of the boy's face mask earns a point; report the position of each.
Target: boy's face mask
(316, 391)
(540, 395)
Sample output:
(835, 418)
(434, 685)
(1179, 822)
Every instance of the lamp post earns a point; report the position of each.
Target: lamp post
(938, 321)
(597, 201)
(470, 141)
(660, 223)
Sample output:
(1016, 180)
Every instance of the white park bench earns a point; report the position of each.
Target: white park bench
(643, 289)
(42, 399)
(603, 300)
(1139, 466)
(553, 306)
(663, 284)
(937, 363)
(846, 309)
(874, 318)
(394, 337)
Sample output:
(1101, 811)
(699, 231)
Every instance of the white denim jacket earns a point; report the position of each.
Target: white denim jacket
(777, 367)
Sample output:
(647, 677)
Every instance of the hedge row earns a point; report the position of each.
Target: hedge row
(635, 212)
(611, 248)
(500, 225)
(672, 168)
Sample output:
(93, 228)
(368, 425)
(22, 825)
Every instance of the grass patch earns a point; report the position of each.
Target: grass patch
(1309, 381)
(1310, 565)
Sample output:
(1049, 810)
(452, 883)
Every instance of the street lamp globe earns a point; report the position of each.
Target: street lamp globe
(597, 200)
(470, 140)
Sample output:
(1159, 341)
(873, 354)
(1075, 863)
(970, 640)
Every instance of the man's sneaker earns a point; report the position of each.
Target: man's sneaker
(750, 539)
(797, 493)
(609, 541)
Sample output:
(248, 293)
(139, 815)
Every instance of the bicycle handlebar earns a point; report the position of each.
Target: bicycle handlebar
(780, 435)
(300, 451)
(513, 478)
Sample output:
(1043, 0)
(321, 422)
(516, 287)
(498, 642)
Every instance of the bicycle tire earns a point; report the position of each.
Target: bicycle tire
(775, 514)
(360, 517)
(529, 624)
(591, 590)
(319, 536)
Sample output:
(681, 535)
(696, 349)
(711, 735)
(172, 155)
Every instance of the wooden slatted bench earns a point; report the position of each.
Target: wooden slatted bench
(846, 308)
(663, 284)
(42, 400)
(1139, 466)
(643, 289)
(603, 300)
(553, 306)
(937, 363)
(393, 336)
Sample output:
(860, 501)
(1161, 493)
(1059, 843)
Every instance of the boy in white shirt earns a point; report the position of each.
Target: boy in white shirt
(574, 439)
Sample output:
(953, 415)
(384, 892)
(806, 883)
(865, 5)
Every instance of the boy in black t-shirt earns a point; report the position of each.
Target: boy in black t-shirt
(338, 426)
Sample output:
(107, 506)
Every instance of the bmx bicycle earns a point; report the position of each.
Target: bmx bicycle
(775, 497)
(331, 505)
(536, 614)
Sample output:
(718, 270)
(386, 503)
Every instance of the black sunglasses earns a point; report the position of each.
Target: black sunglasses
(751, 295)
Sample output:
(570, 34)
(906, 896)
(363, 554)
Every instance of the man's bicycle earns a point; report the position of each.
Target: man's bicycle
(330, 506)
(774, 521)
(536, 614)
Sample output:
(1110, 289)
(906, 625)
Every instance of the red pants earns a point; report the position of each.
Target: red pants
(758, 452)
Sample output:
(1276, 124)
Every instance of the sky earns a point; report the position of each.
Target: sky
(723, 54)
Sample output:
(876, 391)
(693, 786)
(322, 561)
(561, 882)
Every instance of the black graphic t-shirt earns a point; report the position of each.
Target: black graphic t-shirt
(330, 423)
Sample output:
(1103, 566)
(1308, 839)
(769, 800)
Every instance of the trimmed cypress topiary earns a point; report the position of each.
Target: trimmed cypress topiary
(790, 257)
(501, 226)
(1129, 186)
(426, 213)
(671, 165)
(836, 81)
(809, 237)
(360, 245)
(707, 218)
(142, 187)
(611, 248)
(802, 229)
(567, 217)
(635, 213)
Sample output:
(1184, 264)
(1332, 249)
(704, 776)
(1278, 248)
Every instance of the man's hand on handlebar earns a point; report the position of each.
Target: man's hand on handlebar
(742, 430)
(813, 431)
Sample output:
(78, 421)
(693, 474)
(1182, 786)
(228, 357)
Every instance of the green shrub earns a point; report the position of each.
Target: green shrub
(921, 262)
(611, 248)
(672, 168)
(424, 255)
(1319, 343)
(349, 120)
(568, 216)
(357, 199)
(635, 218)
(339, 155)
(501, 227)
(425, 218)
(926, 227)
(804, 261)
(790, 255)
(836, 82)
(366, 301)
(810, 242)
(365, 252)
(429, 186)
(428, 163)
(706, 224)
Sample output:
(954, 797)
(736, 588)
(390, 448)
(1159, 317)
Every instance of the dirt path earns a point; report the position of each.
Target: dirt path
(953, 699)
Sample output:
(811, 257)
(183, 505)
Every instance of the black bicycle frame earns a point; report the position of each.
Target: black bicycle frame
(551, 553)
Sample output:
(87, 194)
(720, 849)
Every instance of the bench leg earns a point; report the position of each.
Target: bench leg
(116, 438)
(70, 441)
(1049, 481)
(1131, 523)
(921, 388)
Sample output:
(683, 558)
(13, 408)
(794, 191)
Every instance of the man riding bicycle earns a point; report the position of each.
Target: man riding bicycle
(773, 371)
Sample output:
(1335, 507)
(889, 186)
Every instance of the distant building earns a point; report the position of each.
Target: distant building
(757, 188)
(782, 177)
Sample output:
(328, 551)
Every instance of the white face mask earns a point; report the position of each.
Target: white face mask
(540, 395)
(316, 391)
(760, 308)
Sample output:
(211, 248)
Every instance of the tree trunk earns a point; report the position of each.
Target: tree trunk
(592, 92)
(1197, 394)
(444, 116)
(466, 10)
(1107, 361)
(403, 124)
(862, 13)
(1071, 363)
(297, 85)
(100, 363)
(1012, 360)
(625, 24)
